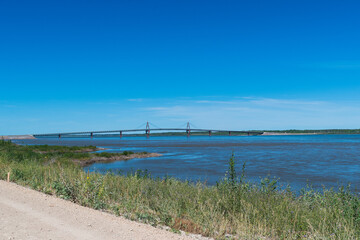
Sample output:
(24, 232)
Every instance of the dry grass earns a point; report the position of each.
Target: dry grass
(234, 208)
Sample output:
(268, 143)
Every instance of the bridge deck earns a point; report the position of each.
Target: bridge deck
(145, 130)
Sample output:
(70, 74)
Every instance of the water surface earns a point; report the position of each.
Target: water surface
(327, 160)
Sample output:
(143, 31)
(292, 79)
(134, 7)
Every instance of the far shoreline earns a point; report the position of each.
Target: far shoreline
(291, 134)
(17, 137)
(265, 133)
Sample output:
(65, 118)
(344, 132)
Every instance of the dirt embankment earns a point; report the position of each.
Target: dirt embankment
(28, 214)
(95, 159)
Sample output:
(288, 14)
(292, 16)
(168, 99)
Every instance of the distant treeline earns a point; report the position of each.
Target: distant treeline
(323, 131)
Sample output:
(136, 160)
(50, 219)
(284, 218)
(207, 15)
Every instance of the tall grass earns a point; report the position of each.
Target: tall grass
(234, 208)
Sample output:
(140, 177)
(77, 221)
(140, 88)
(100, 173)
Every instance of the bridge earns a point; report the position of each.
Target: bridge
(147, 131)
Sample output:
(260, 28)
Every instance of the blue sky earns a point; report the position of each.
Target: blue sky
(84, 65)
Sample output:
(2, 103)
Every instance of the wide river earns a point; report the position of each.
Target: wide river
(319, 160)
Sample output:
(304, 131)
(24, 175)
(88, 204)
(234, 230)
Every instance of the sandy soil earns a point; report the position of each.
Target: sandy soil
(17, 137)
(28, 214)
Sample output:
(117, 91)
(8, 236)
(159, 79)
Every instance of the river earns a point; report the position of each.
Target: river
(319, 160)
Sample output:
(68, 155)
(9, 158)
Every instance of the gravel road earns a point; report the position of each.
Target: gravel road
(28, 214)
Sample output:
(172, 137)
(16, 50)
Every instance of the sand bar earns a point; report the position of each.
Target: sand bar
(17, 137)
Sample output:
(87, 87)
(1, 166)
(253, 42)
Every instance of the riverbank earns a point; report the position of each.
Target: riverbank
(113, 158)
(29, 214)
(233, 208)
(83, 155)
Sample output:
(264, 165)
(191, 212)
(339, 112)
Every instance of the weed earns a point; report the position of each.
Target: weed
(232, 209)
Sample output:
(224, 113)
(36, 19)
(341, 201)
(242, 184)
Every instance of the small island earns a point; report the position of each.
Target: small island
(112, 157)
(80, 155)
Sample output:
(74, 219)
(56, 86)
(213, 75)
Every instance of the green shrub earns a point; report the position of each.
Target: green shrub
(234, 208)
(127, 153)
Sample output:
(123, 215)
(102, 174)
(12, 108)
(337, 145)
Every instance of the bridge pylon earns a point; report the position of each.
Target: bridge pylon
(147, 131)
(188, 130)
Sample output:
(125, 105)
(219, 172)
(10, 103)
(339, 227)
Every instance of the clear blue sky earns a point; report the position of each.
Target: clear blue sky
(81, 65)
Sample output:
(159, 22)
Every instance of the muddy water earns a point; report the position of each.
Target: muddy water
(327, 160)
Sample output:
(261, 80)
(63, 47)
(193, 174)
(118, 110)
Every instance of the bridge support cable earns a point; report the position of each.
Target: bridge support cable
(188, 130)
(153, 125)
(141, 126)
(192, 125)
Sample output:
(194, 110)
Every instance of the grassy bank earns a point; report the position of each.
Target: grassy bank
(234, 208)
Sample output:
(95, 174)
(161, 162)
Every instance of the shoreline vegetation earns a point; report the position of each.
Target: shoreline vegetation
(226, 133)
(85, 155)
(112, 157)
(233, 209)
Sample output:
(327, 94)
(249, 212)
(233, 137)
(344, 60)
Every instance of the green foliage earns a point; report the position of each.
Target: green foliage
(323, 131)
(268, 185)
(231, 179)
(127, 153)
(5, 142)
(232, 172)
(109, 155)
(59, 149)
(234, 208)
(104, 154)
(64, 190)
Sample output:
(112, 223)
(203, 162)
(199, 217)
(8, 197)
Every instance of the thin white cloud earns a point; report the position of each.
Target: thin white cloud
(216, 102)
(241, 113)
(157, 108)
(262, 113)
(135, 100)
(279, 102)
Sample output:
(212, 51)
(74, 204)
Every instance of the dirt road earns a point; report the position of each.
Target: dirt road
(28, 214)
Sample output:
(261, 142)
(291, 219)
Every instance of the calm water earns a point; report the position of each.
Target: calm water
(326, 160)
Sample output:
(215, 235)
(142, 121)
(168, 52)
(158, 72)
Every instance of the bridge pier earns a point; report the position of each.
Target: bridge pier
(147, 131)
(188, 129)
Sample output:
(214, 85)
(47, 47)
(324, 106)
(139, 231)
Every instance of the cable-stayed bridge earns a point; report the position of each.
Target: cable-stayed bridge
(147, 130)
